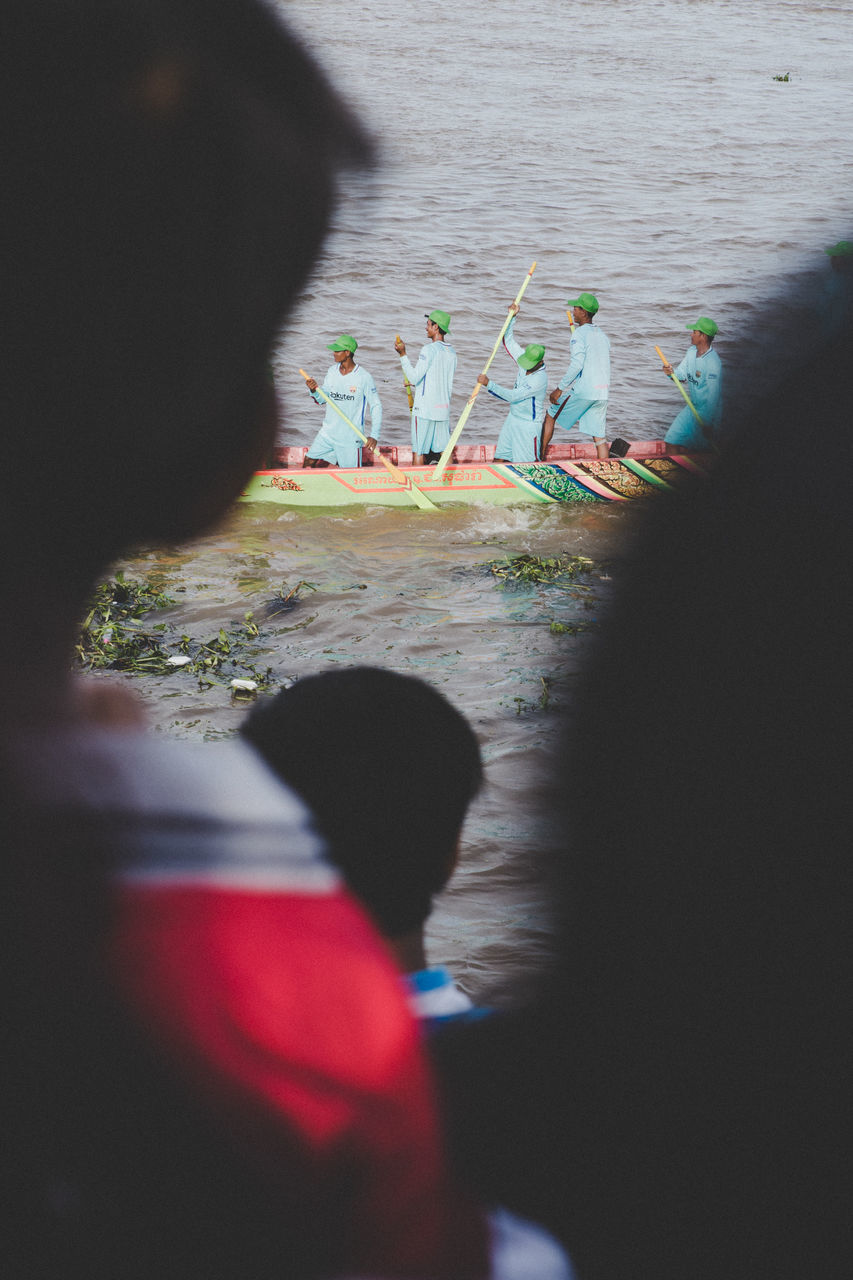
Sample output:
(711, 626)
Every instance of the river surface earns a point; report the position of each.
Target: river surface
(642, 151)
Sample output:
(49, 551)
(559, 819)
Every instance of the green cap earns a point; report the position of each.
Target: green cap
(533, 353)
(441, 318)
(346, 342)
(704, 325)
(841, 250)
(588, 301)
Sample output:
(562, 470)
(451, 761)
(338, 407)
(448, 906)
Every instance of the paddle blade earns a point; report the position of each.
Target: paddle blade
(420, 498)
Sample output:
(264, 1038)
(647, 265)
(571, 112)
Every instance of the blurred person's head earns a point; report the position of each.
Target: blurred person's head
(389, 768)
(168, 175)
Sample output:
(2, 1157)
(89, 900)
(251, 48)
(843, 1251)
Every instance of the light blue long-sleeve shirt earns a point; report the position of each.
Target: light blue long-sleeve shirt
(589, 364)
(354, 393)
(704, 378)
(432, 379)
(529, 397)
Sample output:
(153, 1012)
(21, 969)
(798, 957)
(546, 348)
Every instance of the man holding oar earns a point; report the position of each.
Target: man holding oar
(432, 380)
(695, 427)
(519, 437)
(585, 405)
(353, 390)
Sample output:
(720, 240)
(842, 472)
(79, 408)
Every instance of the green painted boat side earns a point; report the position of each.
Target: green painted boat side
(580, 479)
(492, 483)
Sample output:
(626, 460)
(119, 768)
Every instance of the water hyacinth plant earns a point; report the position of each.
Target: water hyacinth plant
(552, 570)
(117, 634)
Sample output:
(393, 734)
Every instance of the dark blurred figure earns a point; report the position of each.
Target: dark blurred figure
(209, 1067)
(836, 300)
(388, 767)
(676, 1108)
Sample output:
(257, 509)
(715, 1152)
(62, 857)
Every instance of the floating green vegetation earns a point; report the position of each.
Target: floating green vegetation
(113, 634)
(117, 635)
(785, 78)
(550, 570)
(568, 628)
(225, 658)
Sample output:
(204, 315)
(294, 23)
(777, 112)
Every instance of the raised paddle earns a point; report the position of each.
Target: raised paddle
(457, 430)
(690, 403)
(419, 498)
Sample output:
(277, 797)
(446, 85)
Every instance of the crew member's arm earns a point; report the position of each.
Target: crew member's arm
(311, 384)
(374, 404)
(417, 372)
(680, 370)
(512, 395)
(510, 344)
(577, 352)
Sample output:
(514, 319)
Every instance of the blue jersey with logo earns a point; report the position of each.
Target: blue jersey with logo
(354, 393)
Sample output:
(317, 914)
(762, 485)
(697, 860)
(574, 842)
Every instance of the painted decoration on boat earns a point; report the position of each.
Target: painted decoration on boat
(618, 478)
(554, 482)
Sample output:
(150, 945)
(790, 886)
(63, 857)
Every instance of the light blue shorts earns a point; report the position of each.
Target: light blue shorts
(341, 453)
(685, 430)
(428, 434)
(519, 441)
(589, 416)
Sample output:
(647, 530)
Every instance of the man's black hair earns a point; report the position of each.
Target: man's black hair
(389, 768)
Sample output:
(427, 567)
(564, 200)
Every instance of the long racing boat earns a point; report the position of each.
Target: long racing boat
(572, 473)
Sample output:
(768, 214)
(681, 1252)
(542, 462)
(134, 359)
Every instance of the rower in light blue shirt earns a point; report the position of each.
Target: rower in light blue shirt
(354, 392)
(527, 400)
(432, 381)
(702, 373)
(580, 398)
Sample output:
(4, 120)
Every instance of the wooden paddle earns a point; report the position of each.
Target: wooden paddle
(407, 386)
(457, 430)
(418, 497)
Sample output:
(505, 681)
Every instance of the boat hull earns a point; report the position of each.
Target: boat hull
(576, 479)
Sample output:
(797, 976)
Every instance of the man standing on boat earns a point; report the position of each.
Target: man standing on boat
(432, 380)
(519, 437)
(703, 373)
(353, 390)
(585, 406)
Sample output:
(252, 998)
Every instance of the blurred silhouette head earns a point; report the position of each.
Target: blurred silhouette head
(168, 177)
(389, 768)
